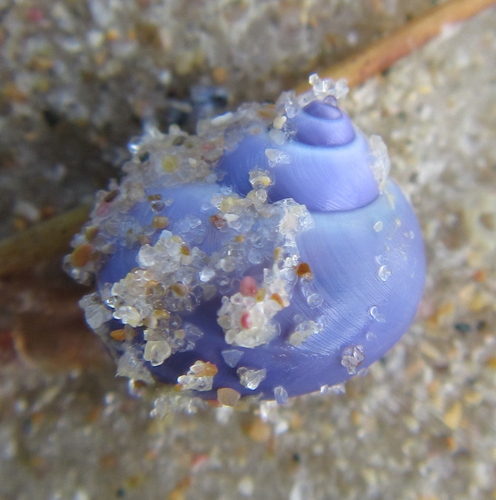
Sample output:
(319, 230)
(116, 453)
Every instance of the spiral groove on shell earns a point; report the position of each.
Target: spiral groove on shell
(267, 256)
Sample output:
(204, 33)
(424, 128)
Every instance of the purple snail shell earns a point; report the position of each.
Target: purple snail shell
(268, 256)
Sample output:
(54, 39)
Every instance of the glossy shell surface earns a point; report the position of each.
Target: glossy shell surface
(268, 256)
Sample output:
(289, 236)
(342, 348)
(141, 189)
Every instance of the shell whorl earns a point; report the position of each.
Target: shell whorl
(324, 162)
(269, 256)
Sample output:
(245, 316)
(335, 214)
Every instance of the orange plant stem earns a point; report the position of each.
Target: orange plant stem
(383, 53)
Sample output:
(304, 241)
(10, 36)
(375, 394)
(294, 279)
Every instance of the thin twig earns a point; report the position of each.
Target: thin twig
(40, 242)
(383, 53)
(50, 238)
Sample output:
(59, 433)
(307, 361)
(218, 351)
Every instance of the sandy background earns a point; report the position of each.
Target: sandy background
(77, 80)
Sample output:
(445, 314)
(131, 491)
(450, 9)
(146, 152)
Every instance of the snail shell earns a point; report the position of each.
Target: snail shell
(268, 256)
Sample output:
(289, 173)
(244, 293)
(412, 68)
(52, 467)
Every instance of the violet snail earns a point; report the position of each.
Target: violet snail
(269, 255)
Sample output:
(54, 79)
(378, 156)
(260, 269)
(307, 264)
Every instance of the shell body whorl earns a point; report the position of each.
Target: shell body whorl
(269, 256)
